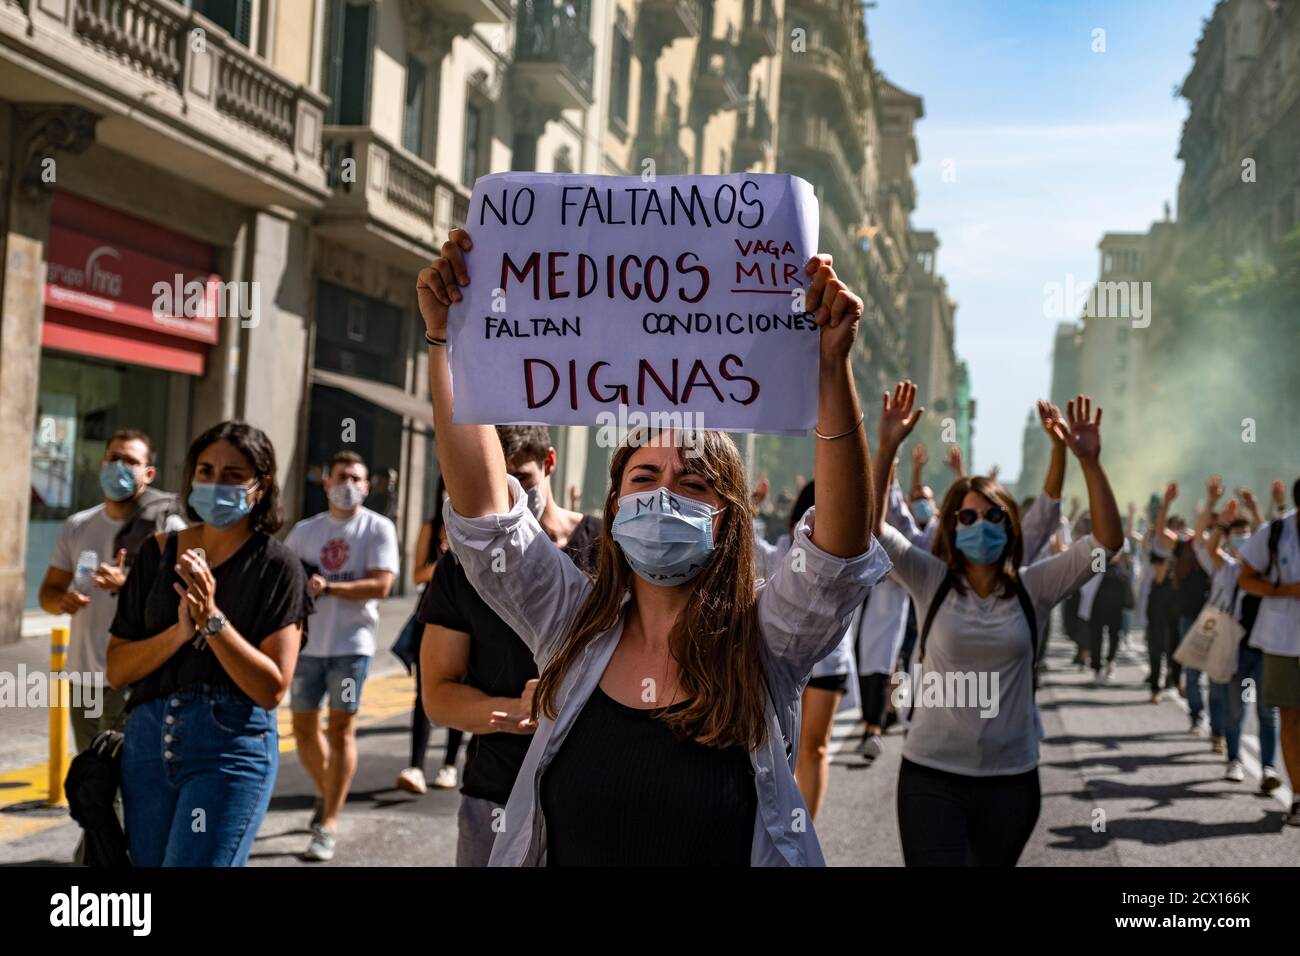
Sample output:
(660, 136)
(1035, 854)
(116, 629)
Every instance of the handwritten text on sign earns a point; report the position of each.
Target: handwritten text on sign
(681, 295)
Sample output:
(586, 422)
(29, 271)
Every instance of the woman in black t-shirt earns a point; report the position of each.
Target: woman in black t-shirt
(207, 633)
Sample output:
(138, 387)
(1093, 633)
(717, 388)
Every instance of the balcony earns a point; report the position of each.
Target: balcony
(825, 68)
(660, 22)
(217, 115)
(553, 58)
(385, 200)
(810, 142)
(664, 148)
(753, 135)
(720, 79)
(473, 11)
(758, 30)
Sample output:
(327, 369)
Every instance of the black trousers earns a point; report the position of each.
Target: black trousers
(1162, 638)
(1108, 615)
(948, 819)
(873, 690)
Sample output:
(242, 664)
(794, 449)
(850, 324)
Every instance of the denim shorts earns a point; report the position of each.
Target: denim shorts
(339, 677)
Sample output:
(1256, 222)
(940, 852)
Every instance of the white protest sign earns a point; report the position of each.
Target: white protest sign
(680, 296)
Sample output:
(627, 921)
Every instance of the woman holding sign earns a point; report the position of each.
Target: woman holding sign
(669, 684)
(968, 790)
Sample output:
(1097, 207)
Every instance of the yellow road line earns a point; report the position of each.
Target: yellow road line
(382, 698)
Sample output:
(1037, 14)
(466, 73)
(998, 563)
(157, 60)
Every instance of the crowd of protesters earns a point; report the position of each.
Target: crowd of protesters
(656, 685)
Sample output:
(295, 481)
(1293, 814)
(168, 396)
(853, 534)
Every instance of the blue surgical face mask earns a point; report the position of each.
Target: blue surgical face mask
(1238, 542)
(220, 505)
(922, 510)
(981, 542)
(667, 539)
(117, 478)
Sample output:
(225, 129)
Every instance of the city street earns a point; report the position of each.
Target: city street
(1124, 784)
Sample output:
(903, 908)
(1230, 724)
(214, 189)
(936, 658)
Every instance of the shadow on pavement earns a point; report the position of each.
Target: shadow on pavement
(1161, 832)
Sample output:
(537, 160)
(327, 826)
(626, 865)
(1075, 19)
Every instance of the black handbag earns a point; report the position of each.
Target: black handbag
(91, 788)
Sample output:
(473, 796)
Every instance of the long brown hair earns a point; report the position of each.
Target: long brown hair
(945, 543)
(715, 640)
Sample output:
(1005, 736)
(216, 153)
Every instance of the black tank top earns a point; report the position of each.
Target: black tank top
(625, 791)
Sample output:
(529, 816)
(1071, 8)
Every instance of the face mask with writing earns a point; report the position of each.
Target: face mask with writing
(666, 538)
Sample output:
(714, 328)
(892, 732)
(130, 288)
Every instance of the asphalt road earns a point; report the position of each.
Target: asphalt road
(1124, 784)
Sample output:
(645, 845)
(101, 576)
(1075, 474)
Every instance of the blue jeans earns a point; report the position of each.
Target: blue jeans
(1218, 701)
(198, 768)
(1250, 667)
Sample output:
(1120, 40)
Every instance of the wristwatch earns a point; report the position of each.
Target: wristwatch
(216, 624)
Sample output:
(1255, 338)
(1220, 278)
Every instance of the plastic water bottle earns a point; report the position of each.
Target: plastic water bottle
(83, 580)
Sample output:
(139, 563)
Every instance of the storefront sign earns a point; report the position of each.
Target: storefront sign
(106, 280)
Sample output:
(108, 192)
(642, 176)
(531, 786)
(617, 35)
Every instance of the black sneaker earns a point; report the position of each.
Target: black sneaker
(317, 812)
(1292, 819)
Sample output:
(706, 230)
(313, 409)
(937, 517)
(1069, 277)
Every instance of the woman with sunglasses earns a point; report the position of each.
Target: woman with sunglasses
(667, 704)
(968, 791)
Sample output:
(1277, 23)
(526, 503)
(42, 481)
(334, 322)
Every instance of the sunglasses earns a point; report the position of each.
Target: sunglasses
(994, 515)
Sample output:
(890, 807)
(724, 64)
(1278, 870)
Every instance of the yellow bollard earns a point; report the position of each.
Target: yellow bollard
(59, 718)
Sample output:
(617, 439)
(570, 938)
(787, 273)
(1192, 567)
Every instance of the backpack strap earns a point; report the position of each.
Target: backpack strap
(1027, 606)
(945, 586)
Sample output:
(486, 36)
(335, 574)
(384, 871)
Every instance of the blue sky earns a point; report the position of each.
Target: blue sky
(1051, 144)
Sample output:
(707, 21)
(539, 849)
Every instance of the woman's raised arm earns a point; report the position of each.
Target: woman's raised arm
(843, 497)
(470, 455)
(1083, 436)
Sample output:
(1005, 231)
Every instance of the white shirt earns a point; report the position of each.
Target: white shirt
(882, 625)
(983, 636)
(800, 616)
(1277, 628)
(89, 530)
(344, 551)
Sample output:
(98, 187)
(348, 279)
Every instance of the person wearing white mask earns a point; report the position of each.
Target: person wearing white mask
(352, 552)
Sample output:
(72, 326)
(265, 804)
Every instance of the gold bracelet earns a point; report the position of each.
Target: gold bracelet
(856, 426)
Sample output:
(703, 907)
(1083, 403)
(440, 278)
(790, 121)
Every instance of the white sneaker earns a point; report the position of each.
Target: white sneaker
(412, 780)
(1269, 780)
(321, 847)
(1236, 773)
(872, 747)
(446, 778)
(1110, 670)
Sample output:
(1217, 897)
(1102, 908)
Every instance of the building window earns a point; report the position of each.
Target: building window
(620, 84)
(472, 166)
(233, 16)
(348, 63)
(413, 113)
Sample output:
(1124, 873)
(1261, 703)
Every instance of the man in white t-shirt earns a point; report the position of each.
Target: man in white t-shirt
(352, 553)
(88, 592)
(1273, 573)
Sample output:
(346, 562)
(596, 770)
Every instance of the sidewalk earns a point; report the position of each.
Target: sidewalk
(24, 732)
